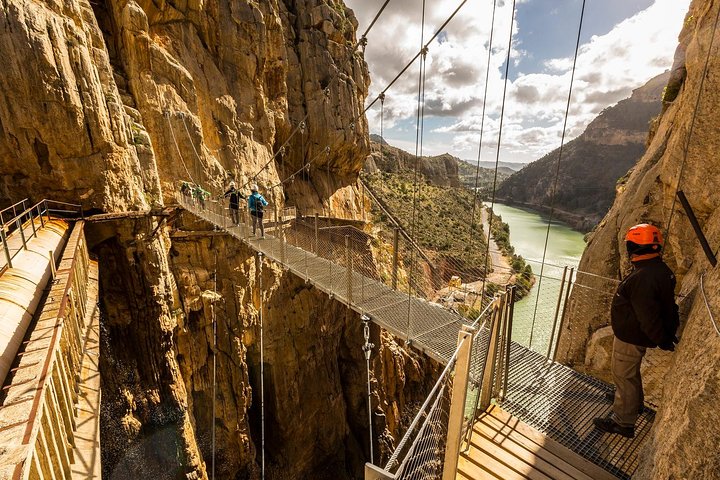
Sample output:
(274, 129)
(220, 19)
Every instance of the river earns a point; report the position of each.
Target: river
(565, 246)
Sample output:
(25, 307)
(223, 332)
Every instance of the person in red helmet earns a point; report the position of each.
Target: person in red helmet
(643, 315)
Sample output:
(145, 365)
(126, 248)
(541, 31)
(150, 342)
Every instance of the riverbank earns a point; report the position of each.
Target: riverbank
(581, 223)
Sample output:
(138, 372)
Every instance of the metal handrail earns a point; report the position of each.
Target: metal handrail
(19, 221)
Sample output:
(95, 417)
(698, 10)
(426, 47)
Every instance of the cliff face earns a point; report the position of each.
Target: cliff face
(592, 163)
(682, 154)
(110, 104)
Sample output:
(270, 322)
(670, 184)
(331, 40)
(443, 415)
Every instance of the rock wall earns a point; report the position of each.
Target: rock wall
(159, 300)
(681, 155)
(111, 103)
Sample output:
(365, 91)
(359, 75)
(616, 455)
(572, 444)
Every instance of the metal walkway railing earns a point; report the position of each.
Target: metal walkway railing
(20, 222)
(555, 399)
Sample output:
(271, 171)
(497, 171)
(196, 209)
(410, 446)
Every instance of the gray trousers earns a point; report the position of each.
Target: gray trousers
(629, 397)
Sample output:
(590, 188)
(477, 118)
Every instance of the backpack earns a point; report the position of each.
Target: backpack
(257, 204)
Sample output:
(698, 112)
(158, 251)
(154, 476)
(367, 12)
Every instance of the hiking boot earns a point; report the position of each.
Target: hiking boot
(609, 425)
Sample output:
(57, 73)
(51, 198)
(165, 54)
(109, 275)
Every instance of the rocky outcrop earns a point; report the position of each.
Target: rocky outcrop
(110, 104)
(440, 170)
(160, 298)
(591, 164)
(680, 155)
(128, 97)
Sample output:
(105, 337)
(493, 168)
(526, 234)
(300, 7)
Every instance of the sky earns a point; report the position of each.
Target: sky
(623, 44)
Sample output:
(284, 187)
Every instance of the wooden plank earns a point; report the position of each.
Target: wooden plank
(527, 468)
(489, 425)
(594, 471)
(488, 439)
(480, 465)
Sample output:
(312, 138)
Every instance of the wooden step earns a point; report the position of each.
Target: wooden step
(503, 447)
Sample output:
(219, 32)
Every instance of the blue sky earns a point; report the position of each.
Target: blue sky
(624, 43)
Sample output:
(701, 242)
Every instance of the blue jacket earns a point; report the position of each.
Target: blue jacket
(253, 202)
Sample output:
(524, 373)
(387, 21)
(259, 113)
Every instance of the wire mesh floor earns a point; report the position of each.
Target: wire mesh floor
(556, 400)
(561, 403)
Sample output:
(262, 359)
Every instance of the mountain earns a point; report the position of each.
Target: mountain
(468, 170)
(502, 166)
(592, 163)
(441, 170)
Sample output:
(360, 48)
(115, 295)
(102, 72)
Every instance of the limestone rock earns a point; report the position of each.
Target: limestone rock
(686, 434)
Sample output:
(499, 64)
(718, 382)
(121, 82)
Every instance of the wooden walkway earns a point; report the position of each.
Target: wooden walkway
(504, 448)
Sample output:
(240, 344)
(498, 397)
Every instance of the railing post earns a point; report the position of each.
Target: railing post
(508, 329)
(564, 312)
(457, 402)
(22, 234)
(490, 360)
(42, 222)
(348, 269)
(32, 222)
(396, 242)
(3, 237)
(53, 271)
(281, 235)
(317, 234)
(502, 344)
(557, 313)
(373, 472)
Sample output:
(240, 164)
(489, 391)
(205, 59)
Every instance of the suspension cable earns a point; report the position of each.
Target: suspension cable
(172, 133)
(423, 47)
(707, 305)
(361, 42)
(367, 350)
(557, 172)
(262, 369)
(499, 140)
(477, 169)
(418, 151)
(214, 373)
(686, 147)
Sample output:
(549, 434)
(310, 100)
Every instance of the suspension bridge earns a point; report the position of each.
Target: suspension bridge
(499, 409)
(555, 402)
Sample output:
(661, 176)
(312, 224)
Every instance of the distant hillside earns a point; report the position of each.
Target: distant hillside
(592, 163)
(468, 170)
(502, 166)
(441, 170)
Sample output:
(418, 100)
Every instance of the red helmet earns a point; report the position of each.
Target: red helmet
(643, 238)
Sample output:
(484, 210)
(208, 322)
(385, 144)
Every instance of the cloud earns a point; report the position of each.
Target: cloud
(609, 67)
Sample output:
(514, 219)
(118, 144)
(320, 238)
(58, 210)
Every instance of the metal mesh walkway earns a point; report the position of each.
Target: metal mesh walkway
(552, 398)
(433, 329)
(561, 403)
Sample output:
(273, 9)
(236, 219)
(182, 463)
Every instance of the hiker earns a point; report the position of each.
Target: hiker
(186, 190)
(235, 197)
(643, 315)
(257, 204)
(200, 195)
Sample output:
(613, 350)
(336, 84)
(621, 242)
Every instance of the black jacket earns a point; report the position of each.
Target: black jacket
(643, 310)
(235, 197)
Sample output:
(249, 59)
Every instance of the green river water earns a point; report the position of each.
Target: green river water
(565, 246)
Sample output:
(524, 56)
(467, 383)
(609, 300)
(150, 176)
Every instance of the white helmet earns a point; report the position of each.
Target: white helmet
(232, 183)
(254, 187)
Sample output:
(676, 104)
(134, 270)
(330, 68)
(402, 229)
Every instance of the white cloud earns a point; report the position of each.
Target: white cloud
(609, 67)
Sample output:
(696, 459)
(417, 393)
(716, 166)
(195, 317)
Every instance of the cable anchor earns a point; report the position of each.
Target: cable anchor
(368, 346)
(302, 127)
